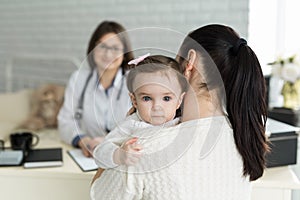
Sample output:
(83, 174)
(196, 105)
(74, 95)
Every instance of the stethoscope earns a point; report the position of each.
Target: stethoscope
(79, 110)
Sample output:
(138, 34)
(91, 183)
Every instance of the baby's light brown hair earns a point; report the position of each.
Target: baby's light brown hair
(154, 64)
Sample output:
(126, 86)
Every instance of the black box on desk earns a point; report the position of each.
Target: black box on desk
(283, 149)
(285, 115)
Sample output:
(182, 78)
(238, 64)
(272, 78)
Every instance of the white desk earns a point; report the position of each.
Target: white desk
(276, 184)
(70, 183)
(59, 183)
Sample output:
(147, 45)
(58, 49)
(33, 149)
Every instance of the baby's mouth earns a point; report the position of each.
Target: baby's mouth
(157, 116)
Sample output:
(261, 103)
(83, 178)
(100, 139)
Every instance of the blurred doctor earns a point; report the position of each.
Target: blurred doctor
(96, 99)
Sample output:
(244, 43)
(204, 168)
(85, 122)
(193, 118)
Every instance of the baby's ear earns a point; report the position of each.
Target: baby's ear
(133, 99)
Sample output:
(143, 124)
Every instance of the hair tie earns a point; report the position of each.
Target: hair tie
(238, 44)
(138, 60)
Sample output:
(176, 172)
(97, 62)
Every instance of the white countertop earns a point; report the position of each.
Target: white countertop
(50, 139)
(274, 126)
(278, 177)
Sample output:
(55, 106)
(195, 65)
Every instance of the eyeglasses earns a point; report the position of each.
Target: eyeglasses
(102, 48)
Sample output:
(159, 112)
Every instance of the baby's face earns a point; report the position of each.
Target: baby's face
(157, 99)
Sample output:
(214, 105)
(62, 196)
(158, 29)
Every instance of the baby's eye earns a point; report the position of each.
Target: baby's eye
(167, 98)
(146, 98)
(116, 49)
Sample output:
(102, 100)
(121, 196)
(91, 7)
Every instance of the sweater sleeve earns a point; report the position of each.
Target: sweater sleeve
(103, 153)
(117, 185)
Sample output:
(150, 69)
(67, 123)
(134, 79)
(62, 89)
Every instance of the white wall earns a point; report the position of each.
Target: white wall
(62, 28)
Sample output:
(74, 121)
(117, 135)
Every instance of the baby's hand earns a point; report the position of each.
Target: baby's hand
(129, 153)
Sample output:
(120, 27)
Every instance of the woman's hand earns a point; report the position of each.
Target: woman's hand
(94, 142)
(129, 153)
(88, 144)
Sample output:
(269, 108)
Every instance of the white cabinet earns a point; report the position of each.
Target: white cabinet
(276, 184)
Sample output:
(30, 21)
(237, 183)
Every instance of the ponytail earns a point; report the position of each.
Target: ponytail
(244, 87)
(246, 107)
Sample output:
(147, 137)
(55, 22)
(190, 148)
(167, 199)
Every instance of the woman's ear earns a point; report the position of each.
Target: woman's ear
(192, 55)
(180, 100)
(191, 61)
(133, 100)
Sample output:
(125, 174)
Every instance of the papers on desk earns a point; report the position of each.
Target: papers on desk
(85, 163)
(11, 158)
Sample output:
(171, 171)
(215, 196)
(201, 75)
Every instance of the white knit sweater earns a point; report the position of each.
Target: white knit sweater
(200, 162)
(129, 128)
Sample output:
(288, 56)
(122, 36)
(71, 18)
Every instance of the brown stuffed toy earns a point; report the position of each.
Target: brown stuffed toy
(45, 104)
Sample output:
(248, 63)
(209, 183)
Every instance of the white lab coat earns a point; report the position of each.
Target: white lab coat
(101, 111)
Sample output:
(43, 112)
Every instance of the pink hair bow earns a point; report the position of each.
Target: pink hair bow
(138, 60)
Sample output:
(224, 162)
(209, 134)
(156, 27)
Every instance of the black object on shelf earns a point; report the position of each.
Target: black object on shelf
(283, 149)
(267, 81)
(285, 115)
(283, 144)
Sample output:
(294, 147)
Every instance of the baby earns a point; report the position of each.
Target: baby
(156, 90)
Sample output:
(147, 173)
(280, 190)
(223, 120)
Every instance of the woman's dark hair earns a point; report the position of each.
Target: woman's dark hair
(110, 27)
(244, 87)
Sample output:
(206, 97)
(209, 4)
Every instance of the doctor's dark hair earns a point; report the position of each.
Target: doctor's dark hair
(244, 86)
(157, 64)
(110, 27)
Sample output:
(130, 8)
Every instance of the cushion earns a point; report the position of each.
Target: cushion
(6, 128)
(14, 107)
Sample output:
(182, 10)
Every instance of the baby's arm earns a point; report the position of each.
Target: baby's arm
(103, 153)
(116, 149)
(128, 153)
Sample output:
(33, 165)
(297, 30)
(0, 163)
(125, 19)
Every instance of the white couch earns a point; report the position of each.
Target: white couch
(14, 108)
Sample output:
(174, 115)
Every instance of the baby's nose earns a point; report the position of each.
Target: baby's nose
(157, 106)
